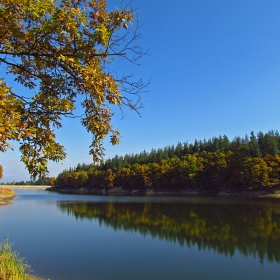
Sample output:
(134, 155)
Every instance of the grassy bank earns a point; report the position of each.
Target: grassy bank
(12, 267)
(6, 194)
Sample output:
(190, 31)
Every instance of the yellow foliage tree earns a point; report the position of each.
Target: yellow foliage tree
(60, 51)
(255, 171)
(52, 181)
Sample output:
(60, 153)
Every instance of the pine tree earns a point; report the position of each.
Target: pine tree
(195, 146)
(178, 150)
(254, 148)
(185, 148)
(271, 144)
(226, 144)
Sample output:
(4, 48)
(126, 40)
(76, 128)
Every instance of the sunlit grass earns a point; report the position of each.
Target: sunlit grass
(12, 267)
(6, 192)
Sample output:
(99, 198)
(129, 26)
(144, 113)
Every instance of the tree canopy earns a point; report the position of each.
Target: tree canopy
(60, 51)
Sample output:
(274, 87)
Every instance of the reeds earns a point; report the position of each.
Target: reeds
(12, 267)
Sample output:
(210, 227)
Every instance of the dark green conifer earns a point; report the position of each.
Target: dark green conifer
(254, 148)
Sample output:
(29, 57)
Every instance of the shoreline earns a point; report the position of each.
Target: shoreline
(22, 187)
(119, 191)
(7, 199)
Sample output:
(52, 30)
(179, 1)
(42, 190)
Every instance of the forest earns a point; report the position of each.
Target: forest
(248, 163)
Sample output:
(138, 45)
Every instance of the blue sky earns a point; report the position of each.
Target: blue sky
(214, 68)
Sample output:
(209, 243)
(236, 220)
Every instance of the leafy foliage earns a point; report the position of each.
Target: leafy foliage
(60, 50)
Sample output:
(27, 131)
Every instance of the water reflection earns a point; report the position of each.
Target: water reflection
(250, 228)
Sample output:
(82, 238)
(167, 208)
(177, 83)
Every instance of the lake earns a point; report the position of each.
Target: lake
(133, 237)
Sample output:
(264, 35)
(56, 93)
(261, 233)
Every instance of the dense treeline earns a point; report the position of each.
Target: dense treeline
(249, 228)
(212, 165)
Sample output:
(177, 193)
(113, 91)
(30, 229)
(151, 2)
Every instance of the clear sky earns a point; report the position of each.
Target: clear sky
(214, 68)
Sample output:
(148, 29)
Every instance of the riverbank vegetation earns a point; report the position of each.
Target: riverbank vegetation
(6, 195)
(6, 192)
(12, 267)
(211, 165)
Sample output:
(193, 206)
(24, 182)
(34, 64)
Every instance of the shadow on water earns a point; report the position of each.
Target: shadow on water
(251, 228)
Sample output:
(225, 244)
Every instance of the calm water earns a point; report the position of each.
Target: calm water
(103, 237)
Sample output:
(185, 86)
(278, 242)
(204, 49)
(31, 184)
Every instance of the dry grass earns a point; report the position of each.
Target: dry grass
(6, 192)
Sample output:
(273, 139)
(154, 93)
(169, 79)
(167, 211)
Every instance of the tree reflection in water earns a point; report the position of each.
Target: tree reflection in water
(250, 228)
